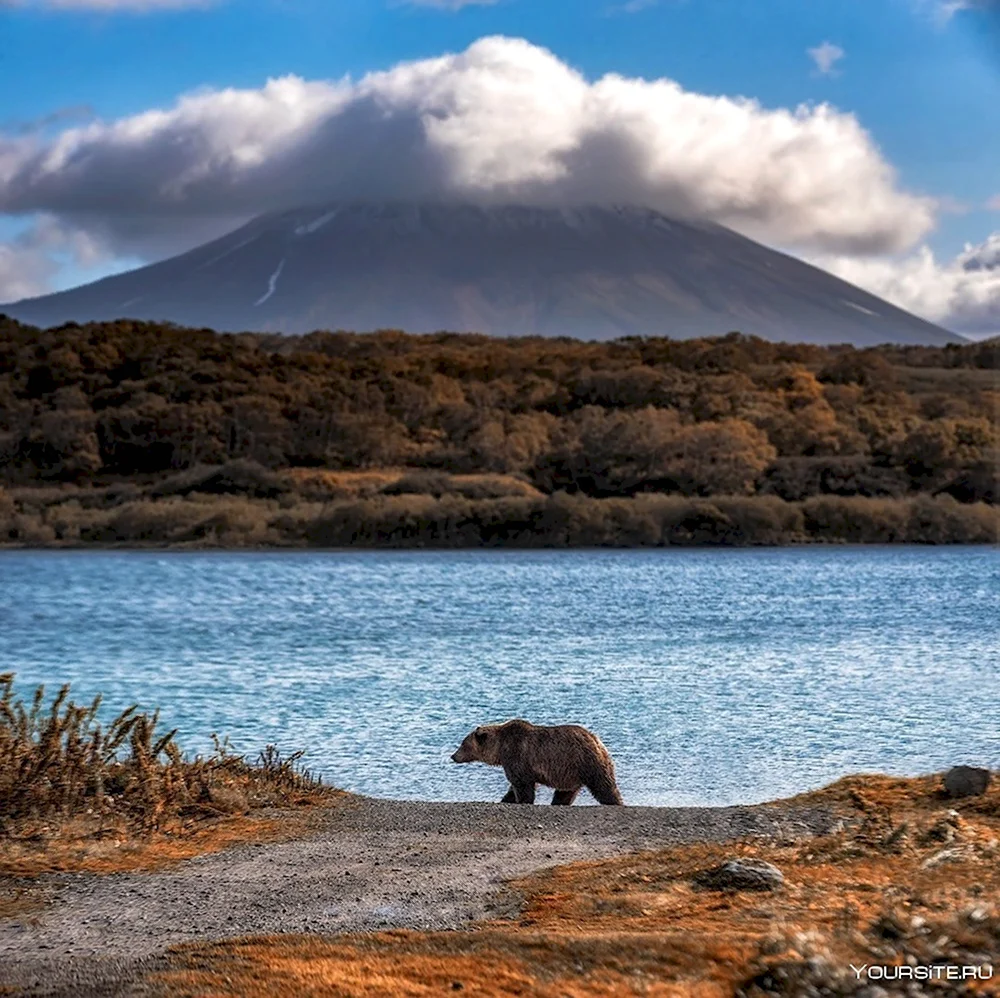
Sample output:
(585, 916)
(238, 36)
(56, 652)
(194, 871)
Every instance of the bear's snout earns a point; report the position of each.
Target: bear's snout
(454, 757)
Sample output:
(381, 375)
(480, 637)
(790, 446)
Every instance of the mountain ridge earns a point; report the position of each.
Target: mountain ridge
(510, 270)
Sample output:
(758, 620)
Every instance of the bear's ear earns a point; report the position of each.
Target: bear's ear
(480, 735)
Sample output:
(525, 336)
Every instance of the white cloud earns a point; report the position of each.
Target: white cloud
(994, 203)
(942, 11)
(504, 120)
(23, 274)
(826, 57)
(30, 261)
(985, 256)
(951, 7)
(946, 9)
(961, 294)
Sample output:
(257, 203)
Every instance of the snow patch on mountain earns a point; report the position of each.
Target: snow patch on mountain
(229, 252)
(316, 224)
(860, 308)
(272, 285)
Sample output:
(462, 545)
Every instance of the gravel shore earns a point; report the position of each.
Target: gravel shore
(371, 865)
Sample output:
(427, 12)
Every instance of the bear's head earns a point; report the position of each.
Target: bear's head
(481, 745)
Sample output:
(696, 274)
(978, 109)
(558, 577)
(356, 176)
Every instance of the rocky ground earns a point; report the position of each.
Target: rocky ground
(901, 899)
(368, 865)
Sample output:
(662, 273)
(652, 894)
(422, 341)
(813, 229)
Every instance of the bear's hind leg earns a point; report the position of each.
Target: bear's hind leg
(510, 797)
(565, 797)
(525, 792)
(604, 790)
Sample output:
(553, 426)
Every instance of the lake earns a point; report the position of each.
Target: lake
(713, 676)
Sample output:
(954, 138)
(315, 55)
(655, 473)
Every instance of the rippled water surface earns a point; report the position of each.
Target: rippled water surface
(713, 676)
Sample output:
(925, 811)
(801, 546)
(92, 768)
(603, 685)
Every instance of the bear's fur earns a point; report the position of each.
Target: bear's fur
(566, 758)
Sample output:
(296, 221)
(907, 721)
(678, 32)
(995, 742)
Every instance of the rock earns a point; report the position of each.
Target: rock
(966, 781)
(890, 927)
(741, 875)
(957, 854)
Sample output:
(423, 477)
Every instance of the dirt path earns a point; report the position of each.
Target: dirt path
(371, 865)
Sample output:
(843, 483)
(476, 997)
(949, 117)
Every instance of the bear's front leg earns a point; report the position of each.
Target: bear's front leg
(522, 785)
(509, 798)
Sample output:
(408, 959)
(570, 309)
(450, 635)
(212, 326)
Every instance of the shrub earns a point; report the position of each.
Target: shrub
(797, 478)
(453, 520)
(242, 478)
(763, 519)
(857, 521)
(428, 483)
(58, 761)
(942, 520)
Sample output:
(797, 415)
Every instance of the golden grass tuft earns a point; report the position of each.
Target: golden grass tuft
(78, 795)
(74, 847)
(876, 792)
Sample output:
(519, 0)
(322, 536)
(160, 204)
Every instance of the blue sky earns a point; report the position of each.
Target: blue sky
(925, 86)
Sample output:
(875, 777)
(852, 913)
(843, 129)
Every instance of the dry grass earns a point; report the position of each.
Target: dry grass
(76, 795)
(372, 482)
(910, 876)
(873, 793)
(74, 847)
(420, 509)
(342, 484)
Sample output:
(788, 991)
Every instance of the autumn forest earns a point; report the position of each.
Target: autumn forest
(136, 434)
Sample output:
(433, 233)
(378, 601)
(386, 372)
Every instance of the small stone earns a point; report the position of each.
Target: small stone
(954, 855)
(773, 945)
(889, 927)
(741, 875)
(966, 781)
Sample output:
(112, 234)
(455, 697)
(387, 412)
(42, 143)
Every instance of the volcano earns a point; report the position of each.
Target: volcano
(594, 273)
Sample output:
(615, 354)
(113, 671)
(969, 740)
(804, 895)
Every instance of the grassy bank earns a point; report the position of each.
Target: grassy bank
(80, 795)
(241, 505)
(913, 878)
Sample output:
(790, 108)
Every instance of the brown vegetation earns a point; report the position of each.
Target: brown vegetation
(395, 517)
(138, 433)
(76, 794)
(911, 877)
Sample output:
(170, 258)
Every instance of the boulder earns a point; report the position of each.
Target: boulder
(741, 875)
(966, 781)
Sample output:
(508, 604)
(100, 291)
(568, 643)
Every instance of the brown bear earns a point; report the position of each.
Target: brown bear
(566, 758)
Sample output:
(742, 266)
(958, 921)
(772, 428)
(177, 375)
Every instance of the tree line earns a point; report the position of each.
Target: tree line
(89, 406)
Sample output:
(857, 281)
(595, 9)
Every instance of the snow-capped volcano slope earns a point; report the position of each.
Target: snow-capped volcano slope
(593, 273)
